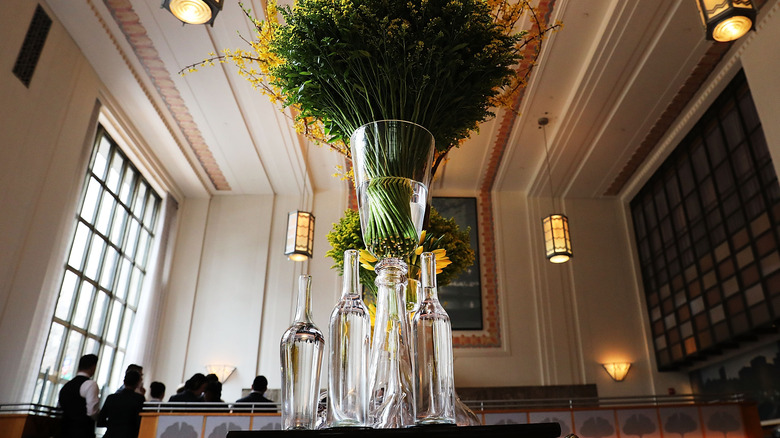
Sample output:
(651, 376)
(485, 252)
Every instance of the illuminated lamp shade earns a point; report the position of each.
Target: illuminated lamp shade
(300, 236)
(726, 20)
(194, 11)
(221, 371)
(557, 242)
(617, 370)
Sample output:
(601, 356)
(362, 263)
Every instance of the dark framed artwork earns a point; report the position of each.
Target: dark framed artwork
(462, 298)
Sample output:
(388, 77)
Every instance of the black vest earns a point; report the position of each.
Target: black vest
(75, 421)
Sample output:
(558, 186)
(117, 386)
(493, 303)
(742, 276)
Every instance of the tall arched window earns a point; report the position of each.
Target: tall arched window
(103, 277)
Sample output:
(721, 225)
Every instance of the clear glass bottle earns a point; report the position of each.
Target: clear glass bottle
(349, 339)
(434, 382)
(301, 350)
(391, 403)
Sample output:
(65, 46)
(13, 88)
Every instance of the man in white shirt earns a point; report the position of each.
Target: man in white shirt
(79, 400)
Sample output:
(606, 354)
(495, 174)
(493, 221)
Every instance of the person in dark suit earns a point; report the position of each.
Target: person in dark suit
(120, 413)
(259, 386)
(193, 390)
(79, 401)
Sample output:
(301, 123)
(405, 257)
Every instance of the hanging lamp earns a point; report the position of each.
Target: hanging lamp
(194, 11)
(557, 241)
(726, 20)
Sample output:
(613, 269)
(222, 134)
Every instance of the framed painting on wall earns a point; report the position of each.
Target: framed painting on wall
(462, 298)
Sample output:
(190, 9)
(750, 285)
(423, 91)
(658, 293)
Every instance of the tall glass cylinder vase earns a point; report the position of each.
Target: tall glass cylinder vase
(349, 339)
(434, 382)
(391, 403)
(392, 164)
(301, 351)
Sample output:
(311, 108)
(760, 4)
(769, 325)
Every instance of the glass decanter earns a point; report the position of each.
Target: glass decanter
(301, 350)
(349, 339)
(434, 382)
(391, 403)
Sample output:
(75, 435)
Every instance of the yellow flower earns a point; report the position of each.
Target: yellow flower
(419, 250)
(366, 256)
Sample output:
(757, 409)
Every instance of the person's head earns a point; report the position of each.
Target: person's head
(157, 390)
(196, 384)
(137, 368)
(88, 364)
(212, 377)
(132, 379)
(260, 384)
(213, 392)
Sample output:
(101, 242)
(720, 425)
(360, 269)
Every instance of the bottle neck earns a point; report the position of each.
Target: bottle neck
(303, 310)
(428, 272)
(351, 275)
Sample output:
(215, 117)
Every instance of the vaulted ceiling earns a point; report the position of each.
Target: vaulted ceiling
(610, 81)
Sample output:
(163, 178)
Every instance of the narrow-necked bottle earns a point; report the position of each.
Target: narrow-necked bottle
(301, 350)
(434, 382)
(349, 340)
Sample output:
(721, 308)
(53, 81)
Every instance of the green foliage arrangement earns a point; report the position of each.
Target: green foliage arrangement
(443, 237)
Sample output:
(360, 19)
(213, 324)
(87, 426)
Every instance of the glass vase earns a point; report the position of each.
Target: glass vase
(391, 402)
(349, 339)
(392, 164)
(434, 382)
(301, 351)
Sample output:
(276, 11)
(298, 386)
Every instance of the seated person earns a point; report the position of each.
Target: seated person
(193, 390)
(157, 392)
(259, 386)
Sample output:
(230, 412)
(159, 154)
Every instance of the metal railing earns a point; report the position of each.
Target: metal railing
(30, 409)
(604, 402)
(206, 407)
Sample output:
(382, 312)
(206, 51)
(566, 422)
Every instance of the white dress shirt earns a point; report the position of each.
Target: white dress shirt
(89, 390)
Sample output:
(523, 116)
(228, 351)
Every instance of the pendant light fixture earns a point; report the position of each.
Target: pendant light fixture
(557, 241)
(299, 244)
(726, 20)
(300, 236)
(194, 11)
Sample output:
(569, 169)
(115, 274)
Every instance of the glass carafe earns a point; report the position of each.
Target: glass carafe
(391, 403)
(301, 350)
(434, 382)
(349, 339)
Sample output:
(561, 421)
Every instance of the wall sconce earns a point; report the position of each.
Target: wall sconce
(300, 236)
(222, 371)
(726, 20)
(557, 241)
(194, 11)
(617, 370)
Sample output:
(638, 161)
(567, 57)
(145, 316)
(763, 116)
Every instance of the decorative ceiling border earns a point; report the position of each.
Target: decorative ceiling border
(490, 335)
(130, 25)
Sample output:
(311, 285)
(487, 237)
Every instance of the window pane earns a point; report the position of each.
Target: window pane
(109, 268)
(143, 248)
(95, 256)
(132, 238)
(92, 346)
(70, 361)
(104, 216)
(114, 321)
(115, 172)
(67, 291)
(118, 227)
(124, 278)
(90, 200)
(124, 335)
(85, 303)
(135, 285)
(126, 191)
(79, 246)
(53, 344)
(100, 313)
(118, 373)
(149, 212)
(104, 368)
(140, 199)
(100, 161)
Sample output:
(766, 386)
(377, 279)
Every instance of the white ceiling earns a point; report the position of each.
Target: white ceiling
(603, 80)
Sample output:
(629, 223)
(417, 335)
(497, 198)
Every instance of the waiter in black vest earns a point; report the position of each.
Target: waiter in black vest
(79, 401)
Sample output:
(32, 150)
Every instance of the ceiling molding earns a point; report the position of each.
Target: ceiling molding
(135, 33)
